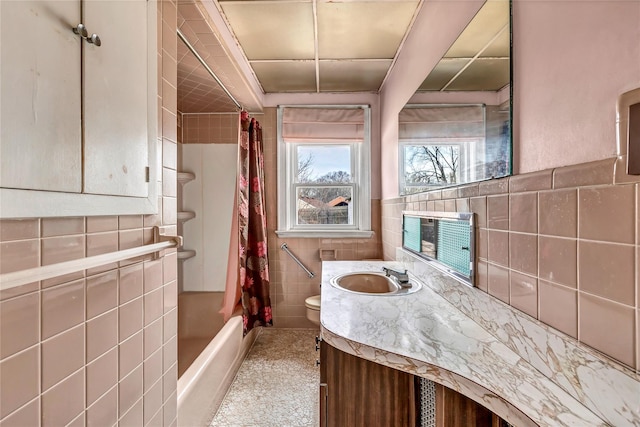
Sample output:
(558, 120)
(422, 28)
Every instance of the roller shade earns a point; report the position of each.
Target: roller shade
(442, 122)
(322, 124)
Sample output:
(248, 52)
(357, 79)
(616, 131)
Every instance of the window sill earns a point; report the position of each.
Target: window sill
(328, 234)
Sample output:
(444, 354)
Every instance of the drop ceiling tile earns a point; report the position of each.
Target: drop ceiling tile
(295, 76)
(487, 23)
(442, 73)
(350, 76)
(483, 74)
(500, 47)
(362, 30)
(272, 30)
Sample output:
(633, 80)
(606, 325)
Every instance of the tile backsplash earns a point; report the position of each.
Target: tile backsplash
(96, 347)
(560, 245)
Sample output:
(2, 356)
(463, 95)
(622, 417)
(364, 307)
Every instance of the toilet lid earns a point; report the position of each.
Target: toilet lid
(313, 302)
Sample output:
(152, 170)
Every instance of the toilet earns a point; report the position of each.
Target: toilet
(313, 309)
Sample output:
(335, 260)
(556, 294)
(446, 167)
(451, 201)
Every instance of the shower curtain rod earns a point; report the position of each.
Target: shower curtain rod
(209, 70)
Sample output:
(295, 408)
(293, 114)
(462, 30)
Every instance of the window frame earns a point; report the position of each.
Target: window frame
(468, 158)
(361, 183)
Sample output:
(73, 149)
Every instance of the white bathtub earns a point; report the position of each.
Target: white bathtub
(204, 383)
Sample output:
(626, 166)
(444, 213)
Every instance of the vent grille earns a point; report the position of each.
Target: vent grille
(427, 403)
(453, 245)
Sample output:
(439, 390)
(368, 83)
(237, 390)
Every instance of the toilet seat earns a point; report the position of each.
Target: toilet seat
(313, 302)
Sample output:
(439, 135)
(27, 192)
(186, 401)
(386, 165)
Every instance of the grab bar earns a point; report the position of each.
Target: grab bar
(285, 248)
(22, 277)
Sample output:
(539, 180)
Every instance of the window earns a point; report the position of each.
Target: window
(441, 145)
(428, 165)
(323, 172)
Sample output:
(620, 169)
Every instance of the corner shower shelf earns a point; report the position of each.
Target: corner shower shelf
(185, 177)
(184, 216)
(186, 254)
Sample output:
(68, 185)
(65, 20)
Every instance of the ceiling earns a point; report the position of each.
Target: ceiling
(309, 46)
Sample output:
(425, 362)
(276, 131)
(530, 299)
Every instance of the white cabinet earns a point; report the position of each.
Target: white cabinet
(78, 121)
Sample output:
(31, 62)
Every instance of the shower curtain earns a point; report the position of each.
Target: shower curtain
(248, 268)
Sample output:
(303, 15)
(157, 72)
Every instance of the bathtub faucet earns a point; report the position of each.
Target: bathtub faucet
(401, 278)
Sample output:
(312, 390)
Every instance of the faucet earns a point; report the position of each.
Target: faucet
(400, 277)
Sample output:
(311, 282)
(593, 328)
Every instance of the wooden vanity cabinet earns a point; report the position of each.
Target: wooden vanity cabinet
(456, 410)
(355, 392)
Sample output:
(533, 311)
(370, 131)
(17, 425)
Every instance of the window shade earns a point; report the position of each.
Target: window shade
(442, 122)
(323, 124)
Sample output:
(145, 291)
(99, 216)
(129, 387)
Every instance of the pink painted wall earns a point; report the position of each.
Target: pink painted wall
(571, 61)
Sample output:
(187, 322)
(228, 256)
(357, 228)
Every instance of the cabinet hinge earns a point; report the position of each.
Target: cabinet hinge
(146, 174)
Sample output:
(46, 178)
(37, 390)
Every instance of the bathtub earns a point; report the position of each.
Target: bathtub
(204, 383)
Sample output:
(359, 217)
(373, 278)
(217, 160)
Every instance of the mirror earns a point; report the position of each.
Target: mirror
(456, 129)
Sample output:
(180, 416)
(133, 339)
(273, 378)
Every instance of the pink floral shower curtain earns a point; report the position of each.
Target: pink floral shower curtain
(253, 268)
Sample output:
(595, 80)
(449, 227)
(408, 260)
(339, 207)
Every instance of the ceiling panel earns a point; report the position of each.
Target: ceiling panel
(272, 30)
(362, 30)
(350, 76)
(488, 22)
(443, 73)
(287, 76)
(483, 74)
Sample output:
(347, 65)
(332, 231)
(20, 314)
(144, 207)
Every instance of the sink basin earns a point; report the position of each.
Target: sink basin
(372, 283)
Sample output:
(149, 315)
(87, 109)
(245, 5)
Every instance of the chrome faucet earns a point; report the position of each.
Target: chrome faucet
(400, 277)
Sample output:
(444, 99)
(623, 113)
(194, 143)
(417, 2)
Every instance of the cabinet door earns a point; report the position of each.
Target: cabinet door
(116, 94)
(40, 141)
(360, 393)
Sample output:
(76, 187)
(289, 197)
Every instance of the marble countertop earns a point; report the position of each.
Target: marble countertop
(424, 334)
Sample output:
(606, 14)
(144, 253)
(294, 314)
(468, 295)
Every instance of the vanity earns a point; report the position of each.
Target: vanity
(520, 370)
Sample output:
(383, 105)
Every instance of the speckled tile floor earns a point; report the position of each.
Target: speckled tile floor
(277, 384)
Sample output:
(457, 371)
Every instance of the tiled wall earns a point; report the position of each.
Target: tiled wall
(210, 128)
(290, 285)
(561, 245)
(97, 347)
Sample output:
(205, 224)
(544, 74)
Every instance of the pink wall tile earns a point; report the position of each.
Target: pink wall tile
(102, 293)
(62, 308)
(102, 374)
(152, 275)
(20, 374)
(498, 212)
(153, 405)
(102, 243)
(104, 412)
(153, 306)
(498, 278)
(62, 226)
(130, 318)
(19, 255)
(152, 338)
(523, 212)
(598, 317)
(62, 355)
(134, 417)
(170, 353)
(19, 229)
(130, 354)
(597, 221)
(170, 383)
(130, 390)
(524, 293)
(557, 260)
(558, 213)
(607, 270)
(28, 415)
(102, 334)
(559, 307)
(130, 283)
(97, 224)
(64, 402)
(129, 222)
(498, 245)
(59, 249)
(152, 370)
(523, 253)
(19, 324)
